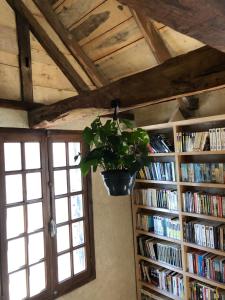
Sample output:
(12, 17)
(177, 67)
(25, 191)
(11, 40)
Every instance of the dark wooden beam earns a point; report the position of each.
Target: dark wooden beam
(201, 19)
(192, 73)
(71, 44)
(19, 105)
(152, 37)
(121, 115)
(23, 37)
(49, 46)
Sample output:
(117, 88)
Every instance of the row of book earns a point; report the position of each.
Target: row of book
(205, 233)
(159, 198)
(162, 251)
(162, 278)
(202, 203)
(163, 171)
(193, 141)
(203, 172)
(162, 225)
(202, 291)
(159, 143)
(206, 265)
(213, 140)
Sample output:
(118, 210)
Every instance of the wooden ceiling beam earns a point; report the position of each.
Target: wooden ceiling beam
(23, 37)
(71, 44)
(19, 105)
(49, 46)
(202, 19)
(152, 37)
(192, 73)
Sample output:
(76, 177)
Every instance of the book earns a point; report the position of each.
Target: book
(205, 234)
(203, 172)
(162, 278)
(193, 141)
(202, 291)
(204, 203)
(161, 171)
(206, 265)
(157, 198)
(160, 143)
(162, 251)
(213, 140)
(163, 225)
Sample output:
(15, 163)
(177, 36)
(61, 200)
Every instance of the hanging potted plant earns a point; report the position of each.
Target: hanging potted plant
(119, 150)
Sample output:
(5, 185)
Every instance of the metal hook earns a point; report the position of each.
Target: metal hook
(115, 104)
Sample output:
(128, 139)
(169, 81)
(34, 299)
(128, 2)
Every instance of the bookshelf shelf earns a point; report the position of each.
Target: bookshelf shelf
(206, 184)
(154, 288)
(165, 210)
(211, 250)
(205, 217)
(171, 129)
(196, 153)
(161, 264)
(162, 154)
(160, 237)
(153, 295)
(156, 181)
(207, 281)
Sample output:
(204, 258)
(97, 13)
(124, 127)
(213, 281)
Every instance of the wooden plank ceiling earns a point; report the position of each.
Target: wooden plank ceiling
(78, 46)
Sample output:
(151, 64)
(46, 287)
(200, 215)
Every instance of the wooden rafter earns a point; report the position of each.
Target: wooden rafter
(192, 73)
(23, 37)
(19, 105)
(161, 53)
(49, 46)
(71, 44)
(152, 37)
(202, 19)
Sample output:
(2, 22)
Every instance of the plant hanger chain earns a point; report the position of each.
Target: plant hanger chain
(115, 104)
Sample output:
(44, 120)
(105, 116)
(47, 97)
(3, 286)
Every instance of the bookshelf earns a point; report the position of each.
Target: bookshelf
(215, 156)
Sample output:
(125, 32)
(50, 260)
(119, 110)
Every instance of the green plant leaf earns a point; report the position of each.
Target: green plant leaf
(128, 123)
(88, 136)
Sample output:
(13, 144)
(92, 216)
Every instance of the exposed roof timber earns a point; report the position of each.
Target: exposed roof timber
(23, 37)
(19, 105)
(50, 46)
(202, 19)
(184, 75)
(152, 37)
(71, 44)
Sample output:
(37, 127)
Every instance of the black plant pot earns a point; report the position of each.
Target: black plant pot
(119, 182)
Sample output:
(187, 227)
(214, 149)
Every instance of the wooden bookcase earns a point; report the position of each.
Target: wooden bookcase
(200, 124)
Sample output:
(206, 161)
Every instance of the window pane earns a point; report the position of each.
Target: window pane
(78, 233)
(76, 206)
(34, 190)
(79, 260)
(14, 188)
(63, 241)
(74, 149)
(32, 156)
(61, 210)
(36, 247)
(60, 182)
(15, 221)
(12, 156)
(75, 180)
(16, 254)
(37, 279)
(35, 216)
(59, 154)
(64, 267)
(17, 285)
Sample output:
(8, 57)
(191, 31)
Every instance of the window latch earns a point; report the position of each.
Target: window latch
(52, 228)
